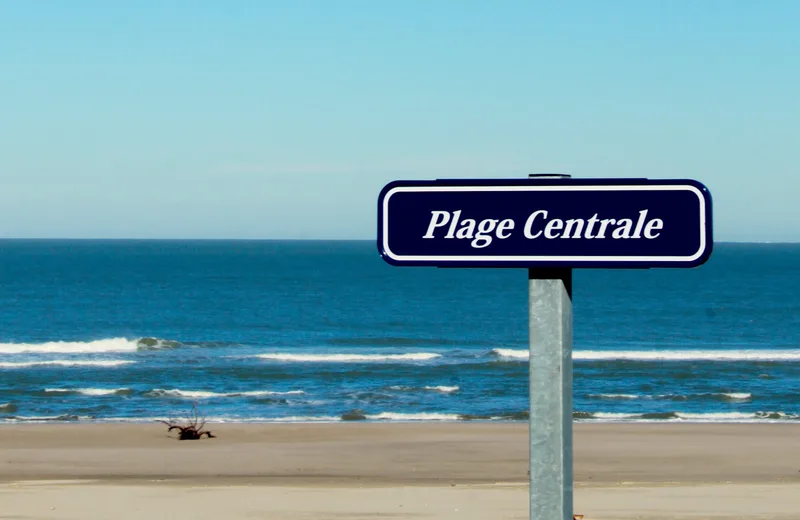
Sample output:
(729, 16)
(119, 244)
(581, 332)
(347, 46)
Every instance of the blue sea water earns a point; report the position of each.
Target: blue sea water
(309, 331)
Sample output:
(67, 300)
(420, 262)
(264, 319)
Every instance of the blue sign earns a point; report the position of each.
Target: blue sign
(625, 223)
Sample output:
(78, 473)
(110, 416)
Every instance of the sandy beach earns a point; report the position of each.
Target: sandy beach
(352, 470)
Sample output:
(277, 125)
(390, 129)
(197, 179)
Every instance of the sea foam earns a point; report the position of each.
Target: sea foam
(616, 396)
(725, 396)
(49, 418)
(441, 388)
(345, 358)
(98, 346)
(665, 355)
(392, 416)
(689, 355)
(202, 394)
(703, 417)
(66, 363)
(89, 391)
(511, 353)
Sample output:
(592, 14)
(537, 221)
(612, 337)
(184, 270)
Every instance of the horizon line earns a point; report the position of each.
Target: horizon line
(229, 239)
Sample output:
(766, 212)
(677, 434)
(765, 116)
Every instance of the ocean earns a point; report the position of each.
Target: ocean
(259, 331)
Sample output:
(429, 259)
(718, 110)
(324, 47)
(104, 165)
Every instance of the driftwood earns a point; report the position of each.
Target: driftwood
(193, 430)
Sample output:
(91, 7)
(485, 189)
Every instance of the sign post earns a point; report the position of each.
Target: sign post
(549, 225)
(550, 340)
(550, 390)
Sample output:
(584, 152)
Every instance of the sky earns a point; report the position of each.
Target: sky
(282, 119)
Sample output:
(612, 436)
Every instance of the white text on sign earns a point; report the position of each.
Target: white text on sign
(481, 233)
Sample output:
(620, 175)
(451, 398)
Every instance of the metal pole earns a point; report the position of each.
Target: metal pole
(550, 340)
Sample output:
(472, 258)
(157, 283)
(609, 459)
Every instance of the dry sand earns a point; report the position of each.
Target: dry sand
(357, 470)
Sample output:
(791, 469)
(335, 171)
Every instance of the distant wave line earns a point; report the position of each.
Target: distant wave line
(203, 394)
(730, 396)
(664, 355)
(707, 417)
(598, 417)
(440, 388)
(344, 358)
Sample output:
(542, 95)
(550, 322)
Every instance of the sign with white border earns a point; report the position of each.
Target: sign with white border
(540, 222)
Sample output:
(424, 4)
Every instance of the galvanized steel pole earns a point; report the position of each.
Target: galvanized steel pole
(550, 340)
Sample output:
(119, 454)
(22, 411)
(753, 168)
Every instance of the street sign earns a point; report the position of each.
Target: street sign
(581, 223)
(550, 225)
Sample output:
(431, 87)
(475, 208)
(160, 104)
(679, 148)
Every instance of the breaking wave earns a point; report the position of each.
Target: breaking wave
(708, 417)
(90, 391)
(66, 363)
(201, 394)
(345, 358)
(617, 396)
(48, 418)
(511, 353)
(391, 416)
(441, 388)
(360, 415)
(88, 347)
(720, 396)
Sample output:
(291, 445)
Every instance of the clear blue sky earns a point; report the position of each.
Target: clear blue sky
(284, 119)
